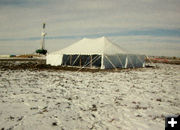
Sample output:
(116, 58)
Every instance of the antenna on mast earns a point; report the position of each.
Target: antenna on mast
(43, 34)
(44, 24)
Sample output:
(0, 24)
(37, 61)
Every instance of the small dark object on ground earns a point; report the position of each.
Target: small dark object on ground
(158, 100)
(20, 118)
(94, 108)
(11, 117)
(54, 123)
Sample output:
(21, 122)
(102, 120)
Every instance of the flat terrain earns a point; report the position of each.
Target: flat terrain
(128, 100)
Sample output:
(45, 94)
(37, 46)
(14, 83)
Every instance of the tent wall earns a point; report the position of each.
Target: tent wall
(54, 60)
(135, 61)
(82, 60)
(98, 61)
(123, 61)
(70, 60)
(114, 61)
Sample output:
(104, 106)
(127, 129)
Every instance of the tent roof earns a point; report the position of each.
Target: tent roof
(92, 46)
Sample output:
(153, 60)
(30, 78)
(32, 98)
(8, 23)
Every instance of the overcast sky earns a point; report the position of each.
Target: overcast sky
(150, 27)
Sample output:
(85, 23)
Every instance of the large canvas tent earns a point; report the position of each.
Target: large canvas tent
(95, 53)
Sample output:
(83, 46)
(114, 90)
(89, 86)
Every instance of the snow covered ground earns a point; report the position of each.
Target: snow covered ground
(127, 100)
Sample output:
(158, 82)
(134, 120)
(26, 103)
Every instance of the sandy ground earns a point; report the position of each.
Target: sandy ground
(127, 100)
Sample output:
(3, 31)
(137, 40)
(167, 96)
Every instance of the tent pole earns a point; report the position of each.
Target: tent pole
(142, 62)
(75, 60)
(91, 61)
(102, 61)
(126, 62)
(70, 59)
(80, 62)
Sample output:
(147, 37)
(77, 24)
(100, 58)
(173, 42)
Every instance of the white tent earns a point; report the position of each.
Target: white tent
(95, 53)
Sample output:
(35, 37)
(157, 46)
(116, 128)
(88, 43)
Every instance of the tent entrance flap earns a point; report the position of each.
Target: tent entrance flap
(82, 60)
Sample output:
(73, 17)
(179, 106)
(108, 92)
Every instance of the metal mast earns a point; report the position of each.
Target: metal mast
(42, 49)
(43, 34)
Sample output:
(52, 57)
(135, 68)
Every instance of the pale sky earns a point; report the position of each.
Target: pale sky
(150, 27)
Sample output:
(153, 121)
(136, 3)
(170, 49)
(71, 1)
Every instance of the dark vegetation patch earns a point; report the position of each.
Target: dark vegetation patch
(40, 65)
